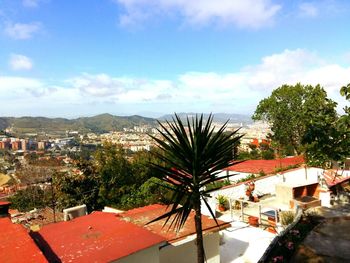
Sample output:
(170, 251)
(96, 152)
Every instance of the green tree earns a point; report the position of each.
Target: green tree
(114, 172)
(150, 192)
(30, 198)
(193, 156)
(77, 189)
(293, 112)
(268, 154)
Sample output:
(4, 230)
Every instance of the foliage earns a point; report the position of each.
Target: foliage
(243, 155)
(98, 124)
(194, 155)
(247, 178)
(294, 112)
(111, 179)
(287, 244)
(72, 190)
(267, 154)
(218, 184)
(150, 192)
(29, 174)
(30, 198)
(264, 151)
(287, 217)
(222, 200)
(289, 167)
(114, 173)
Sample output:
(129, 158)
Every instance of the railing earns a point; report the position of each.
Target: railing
(272, 212)
(280, 235)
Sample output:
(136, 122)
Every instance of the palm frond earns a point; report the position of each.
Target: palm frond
(194, 156)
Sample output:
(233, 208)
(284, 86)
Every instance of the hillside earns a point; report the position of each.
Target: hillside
(218, 117)
(98, 124)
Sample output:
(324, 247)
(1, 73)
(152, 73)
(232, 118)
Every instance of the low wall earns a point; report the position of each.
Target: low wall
(266, 184)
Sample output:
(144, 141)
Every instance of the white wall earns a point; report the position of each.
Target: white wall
(262, 186)
(186, 252)
(236, 175)
(301, 175)
(267, 185)
(150, 254)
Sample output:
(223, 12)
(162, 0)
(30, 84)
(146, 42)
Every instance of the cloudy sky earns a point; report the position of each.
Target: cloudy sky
(84, 57)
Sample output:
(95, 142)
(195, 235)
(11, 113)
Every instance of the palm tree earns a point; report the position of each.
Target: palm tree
(193, 156)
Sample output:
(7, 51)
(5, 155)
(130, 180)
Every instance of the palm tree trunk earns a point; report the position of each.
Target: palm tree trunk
(199, 239)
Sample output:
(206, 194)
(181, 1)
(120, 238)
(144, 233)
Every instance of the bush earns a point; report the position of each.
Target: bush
(218, 184)
(287, 217)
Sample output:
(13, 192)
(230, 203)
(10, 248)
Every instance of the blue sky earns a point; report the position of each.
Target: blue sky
(151, 57)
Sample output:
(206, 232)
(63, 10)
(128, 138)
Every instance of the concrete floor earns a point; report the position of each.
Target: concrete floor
(243, 244)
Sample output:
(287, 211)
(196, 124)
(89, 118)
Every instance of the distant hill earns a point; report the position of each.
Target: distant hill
(98, 124)
(218, 117)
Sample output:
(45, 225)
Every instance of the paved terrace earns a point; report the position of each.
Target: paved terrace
(242, 242)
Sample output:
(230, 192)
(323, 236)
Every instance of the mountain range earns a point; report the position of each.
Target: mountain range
(98, 124)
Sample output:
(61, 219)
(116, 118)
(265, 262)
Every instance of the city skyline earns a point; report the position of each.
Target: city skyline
(124, 57)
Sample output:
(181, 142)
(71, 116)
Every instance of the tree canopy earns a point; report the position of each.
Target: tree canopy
(304, 118)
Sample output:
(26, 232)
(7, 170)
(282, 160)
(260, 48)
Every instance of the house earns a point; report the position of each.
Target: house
(126, 237)
(15, 243)
(180, 246)
(98, 237)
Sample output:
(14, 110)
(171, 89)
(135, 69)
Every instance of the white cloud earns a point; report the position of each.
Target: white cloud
(238, 91)
(30, 3)
(242, 13)
(20, 62)
(22, 30)
(308, 9)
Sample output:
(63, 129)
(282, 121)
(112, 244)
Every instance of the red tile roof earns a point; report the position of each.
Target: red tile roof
(267, 166)
(333, 178)
(141, 216)
(16, 246)
(98, 237)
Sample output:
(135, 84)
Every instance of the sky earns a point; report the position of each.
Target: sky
(64, 58)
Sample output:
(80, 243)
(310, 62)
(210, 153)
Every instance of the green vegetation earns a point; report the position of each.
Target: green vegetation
(98, 124)
(192, 159)
(107, 178)
(250, 177)
(222, 200)
(286, 246)
(304, 119)
(287, 217)
(264, 152)
(289, 167)
(30, 198)
(218, 184)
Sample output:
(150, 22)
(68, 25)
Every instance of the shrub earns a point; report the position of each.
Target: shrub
(218, 184)
(287, 217)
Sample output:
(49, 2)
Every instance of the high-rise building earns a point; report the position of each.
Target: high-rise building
(24, 145)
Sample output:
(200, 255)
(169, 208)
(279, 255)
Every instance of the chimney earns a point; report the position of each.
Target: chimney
(4, 209)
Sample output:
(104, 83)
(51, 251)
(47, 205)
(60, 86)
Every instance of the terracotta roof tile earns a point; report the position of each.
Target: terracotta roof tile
(267, 166)
(333, 178)
(16, 246)
(141, 216)
(98, 237)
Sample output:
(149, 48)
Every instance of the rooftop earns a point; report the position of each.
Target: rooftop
(141, 216)
(16, 244)
(97, 237)
(267, 166)
(334, 177)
